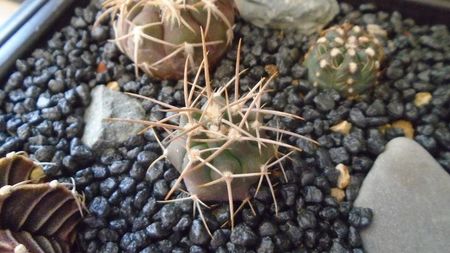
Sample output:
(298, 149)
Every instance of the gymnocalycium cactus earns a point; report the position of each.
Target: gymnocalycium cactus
(158, 35)
(220, 146)
(345, 58)
(35, 216)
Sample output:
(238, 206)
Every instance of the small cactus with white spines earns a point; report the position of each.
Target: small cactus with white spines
(158, 35)
(345, 58)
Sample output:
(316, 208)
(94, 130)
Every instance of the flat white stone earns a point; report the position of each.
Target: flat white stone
(409, 193)
(99, 133)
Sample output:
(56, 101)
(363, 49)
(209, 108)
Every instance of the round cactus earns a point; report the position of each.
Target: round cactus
(34, 216)
(345, 58)
(221, 146)
(158, 35)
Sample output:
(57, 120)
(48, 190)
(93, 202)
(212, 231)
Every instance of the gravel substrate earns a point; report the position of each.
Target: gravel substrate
(43, 101)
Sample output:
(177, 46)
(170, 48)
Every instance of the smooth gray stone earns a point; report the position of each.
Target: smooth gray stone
(306, 16)
(99, 133)
(409, 193)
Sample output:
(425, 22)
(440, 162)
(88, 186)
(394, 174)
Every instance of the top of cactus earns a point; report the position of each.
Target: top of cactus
(141, 22)
(346, 58)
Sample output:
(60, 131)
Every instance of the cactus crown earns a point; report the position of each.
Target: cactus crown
(345, 58)
(159, 34)
(221, 147)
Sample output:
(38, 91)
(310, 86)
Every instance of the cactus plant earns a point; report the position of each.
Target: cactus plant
(159, 34)
(35, 217)
(17, 167)
(221, 147)
(24, 242)
(345, 58)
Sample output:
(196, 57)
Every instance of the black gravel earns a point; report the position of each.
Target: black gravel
(44, 98)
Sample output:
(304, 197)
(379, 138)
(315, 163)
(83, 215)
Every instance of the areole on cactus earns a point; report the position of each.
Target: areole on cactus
(158, 35)
(345, 58)
(221, 145)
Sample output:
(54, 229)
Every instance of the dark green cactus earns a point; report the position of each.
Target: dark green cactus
(345, 58)
(221, 146)
(158, 35)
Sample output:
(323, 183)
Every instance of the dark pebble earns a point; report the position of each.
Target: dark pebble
(360, 217)
(244, 236)
(324, 102)
(127, 185)
(198, 234)
(99, 207)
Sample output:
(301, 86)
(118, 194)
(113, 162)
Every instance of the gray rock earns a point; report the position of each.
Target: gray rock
(409, 194)
(307, 16)
(106, 103)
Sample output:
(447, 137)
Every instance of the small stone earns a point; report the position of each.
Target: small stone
(394, 72)
(99, 207)
(354, 142)
(305, 16)
(339, 155)
(127, 185)
(266, 246)
(360, 217)
(338, 194)
(313, 194)
(408, 190)
(357, 117)
(324, 102)
(396, 109)
(267, 229)
(343, 127)
(422, 98)
(44, 153)
(271, 69)
(100, 133)
(99, 33)
(344, 176)
(156, 231)
(377, 108)
(243, 235)
(198, 234)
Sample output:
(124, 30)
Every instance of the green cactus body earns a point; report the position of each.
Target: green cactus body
(344, 58)
(239, 158)
(158, 35)
(220, 145)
